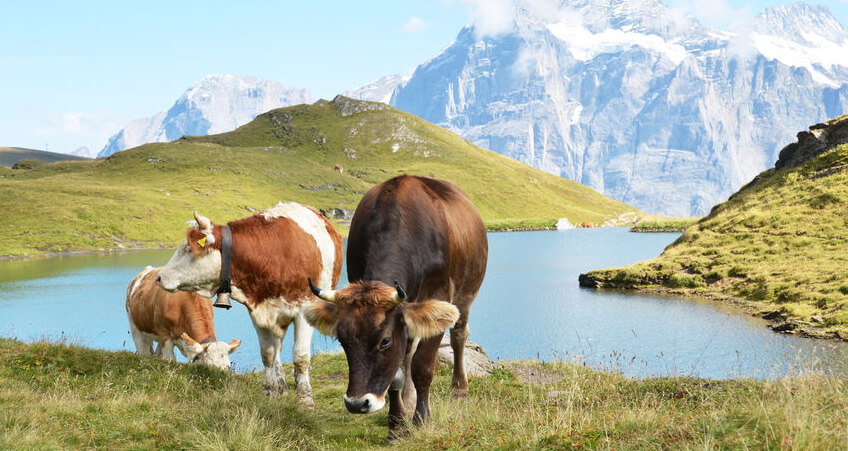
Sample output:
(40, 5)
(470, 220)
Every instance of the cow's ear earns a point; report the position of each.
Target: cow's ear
(234, 344)
(428, 319)
(197, 241)
(322, 315)
(191, 349)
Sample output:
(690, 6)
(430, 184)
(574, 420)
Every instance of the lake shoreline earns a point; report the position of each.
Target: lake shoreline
(773, 319)
(61, 254)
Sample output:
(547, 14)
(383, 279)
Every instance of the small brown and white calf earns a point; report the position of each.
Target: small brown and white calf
(178, 319)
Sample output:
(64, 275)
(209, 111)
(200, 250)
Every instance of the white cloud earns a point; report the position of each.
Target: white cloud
(414, 25)
(490, 17)
(717, 13)
(65, 132)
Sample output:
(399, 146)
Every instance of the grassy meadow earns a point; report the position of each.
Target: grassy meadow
(657, 223)
(142, 197)
(55, 396)
(778, 247)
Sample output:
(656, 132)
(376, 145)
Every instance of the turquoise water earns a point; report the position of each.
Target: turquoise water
(530, 306)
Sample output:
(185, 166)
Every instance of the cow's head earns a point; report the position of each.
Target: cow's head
(196, 264)
(372, 323)
(215, 353)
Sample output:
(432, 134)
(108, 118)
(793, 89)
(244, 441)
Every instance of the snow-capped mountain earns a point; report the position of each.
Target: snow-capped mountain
(379, 90)
(215, 104)
(635, 99)
(83, 152)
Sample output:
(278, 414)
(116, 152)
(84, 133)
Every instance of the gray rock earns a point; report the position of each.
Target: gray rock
(477, 362)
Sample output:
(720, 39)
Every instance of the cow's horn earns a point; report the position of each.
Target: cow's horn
(327, 295)
(188, 339)
(203, 222)
(399, 295)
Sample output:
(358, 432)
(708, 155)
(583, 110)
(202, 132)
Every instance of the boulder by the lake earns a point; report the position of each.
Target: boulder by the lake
(477, 362)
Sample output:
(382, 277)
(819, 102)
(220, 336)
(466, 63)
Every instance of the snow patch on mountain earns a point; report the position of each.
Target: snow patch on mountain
(635, 99)
(379, 90)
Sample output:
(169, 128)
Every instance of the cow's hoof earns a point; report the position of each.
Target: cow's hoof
(460, 392)
(274, 390)
(395, 435)
(308, 403)
(304, 395)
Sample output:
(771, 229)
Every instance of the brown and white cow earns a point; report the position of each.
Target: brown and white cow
(272, 254)
(424, 235)
(174, 319)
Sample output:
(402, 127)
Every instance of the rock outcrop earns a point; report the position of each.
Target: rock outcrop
(813, 142)
(477, 362)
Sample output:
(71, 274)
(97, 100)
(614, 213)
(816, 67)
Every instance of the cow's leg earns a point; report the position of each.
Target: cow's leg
(301, 356)
(397, 422)
(409, 396)
(423, 368)
(143, 343)
(167, 349)
(270, 343)
(458, 336)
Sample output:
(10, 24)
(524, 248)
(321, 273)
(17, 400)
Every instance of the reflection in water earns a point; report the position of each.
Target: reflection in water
(530, 306)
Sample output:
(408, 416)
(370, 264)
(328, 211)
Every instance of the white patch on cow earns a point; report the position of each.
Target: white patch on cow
(274, 315)
(143, 340)
(375, 402)
(237, 295)
(140, 279)
(189, 273)
(313, 224)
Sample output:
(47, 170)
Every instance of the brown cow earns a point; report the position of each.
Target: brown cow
(272, 254)
(174, 319)
(422, 234)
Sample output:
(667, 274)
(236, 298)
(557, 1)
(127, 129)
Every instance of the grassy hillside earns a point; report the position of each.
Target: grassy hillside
(58, 397)
(779, 246)
(11, 155)
(143, 196)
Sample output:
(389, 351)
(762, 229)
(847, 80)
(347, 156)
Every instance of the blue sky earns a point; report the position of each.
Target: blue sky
(73, 73)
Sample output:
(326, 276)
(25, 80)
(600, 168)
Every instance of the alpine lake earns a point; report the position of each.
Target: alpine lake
(530, 307)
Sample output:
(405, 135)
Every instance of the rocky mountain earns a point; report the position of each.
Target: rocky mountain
(379, 90)
(635, 99)
(215, 104)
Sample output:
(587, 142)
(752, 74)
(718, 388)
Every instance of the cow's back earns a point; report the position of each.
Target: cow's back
(421, 231)
(275, 250)
(165, 314)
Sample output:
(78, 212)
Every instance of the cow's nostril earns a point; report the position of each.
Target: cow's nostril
(158, 279)
(366, 403)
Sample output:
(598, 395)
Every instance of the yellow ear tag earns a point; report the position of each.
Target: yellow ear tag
(202, 242)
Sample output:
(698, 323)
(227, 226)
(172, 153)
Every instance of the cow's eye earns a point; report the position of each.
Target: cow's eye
(385, 343)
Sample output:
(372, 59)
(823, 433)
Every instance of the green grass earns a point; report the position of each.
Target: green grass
(58, 397)
(656, 223)
(11, 155)
(143, 196)
(776, 246)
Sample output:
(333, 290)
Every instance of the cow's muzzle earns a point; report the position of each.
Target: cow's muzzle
(364, 404)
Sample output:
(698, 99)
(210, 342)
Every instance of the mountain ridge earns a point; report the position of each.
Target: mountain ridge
(647, 107)
(215, 104)
(327, 155)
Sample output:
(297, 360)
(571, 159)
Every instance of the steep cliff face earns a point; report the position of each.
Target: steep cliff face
(215, 104)
(631, 99)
